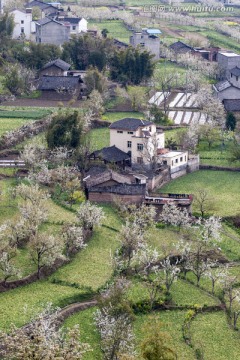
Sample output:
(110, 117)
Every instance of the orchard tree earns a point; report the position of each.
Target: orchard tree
(73, 238)
(170, 271)
(17, 79)
(96, 103)
(138, 97)
(172, 215)
(7, 267)
(44, 250)
(203, 200)
(114, 322)
(95, 80)
(42, 339)
(216, 274)
(90, 215)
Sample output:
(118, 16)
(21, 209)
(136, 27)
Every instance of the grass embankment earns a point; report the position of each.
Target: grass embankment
(91, 267)
(222, 186)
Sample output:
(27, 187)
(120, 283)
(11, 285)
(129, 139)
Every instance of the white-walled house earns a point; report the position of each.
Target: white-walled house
(139, 138)
(23, 24)
(77, 25)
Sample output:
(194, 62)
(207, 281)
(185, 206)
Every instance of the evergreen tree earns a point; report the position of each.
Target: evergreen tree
(65, 130)
(231, 121)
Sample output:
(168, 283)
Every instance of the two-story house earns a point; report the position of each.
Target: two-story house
(50, 31)
(147, 39)
(23, 24)
(139, 138)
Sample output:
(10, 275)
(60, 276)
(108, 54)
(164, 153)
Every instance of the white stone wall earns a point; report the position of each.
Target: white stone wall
(23, 21)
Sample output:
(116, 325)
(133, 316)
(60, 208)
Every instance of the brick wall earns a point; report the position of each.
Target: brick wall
(109, 198)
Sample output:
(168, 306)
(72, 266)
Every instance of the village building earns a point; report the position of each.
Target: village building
(136, 137)
(61, 88)
(24, 27)
(227, 60)
(77, 25)
(147, 39)
(50, 31)
(45, 8)
(56, 67)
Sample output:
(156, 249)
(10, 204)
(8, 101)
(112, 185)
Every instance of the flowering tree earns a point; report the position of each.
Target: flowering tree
(170, 271)
(73, 238)
(7, 267)
(90, 215)
(215, 274)
(44, 250)
(172, 215)
(42, 339)
(114, 322)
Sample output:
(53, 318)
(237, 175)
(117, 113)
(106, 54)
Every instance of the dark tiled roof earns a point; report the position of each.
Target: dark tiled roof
(55, 82)
(121, 189)
(59, 63)
(120, 43)
(222, 85)
(72, 20)
(42, 5)
(131, 124)
(43, 21)
(232, 105)
(235, 71)
(111, 154)
(106, 176)
(180, 47)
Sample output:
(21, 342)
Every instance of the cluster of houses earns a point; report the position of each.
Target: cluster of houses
(46, 23)
(135, 163)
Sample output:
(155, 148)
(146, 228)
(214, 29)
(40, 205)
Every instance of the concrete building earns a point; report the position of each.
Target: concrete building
(23, 24)
(176, 160)
(147, 39)
(45, 8)
(139, 138)
(77, 25)
(227, 61)
(49, 31)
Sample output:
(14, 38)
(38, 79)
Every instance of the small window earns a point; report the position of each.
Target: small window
(129, 144)
(22, 21)
(140, 160)
(74, 27)
(176, 161)
(130, 132)
(142, 44)
(22, 30)
(237, 78)
(181, 159)
(140, 147)
(119, 131)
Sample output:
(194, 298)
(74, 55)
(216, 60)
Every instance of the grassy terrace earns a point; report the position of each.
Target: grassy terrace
(222, 186)
(116, 29)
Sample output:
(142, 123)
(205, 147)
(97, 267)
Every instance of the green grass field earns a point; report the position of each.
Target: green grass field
(116, 29)
(222, 186)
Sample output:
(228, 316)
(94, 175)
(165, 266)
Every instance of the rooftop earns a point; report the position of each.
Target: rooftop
(171, 154)
(232, 105)
(111, 154)
(55, 82)
(228, 54)
(130, 124)
(59, 63)
(222, 85)
(235, 71)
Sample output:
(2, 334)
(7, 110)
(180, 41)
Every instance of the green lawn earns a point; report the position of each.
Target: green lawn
(116, 29)
(8, 124)
(212, 333)
(99, 138)
(223, 188)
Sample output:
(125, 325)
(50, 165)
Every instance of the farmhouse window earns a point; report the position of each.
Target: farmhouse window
(22, 21)
(181, 159)
(22, 30)
(140, 147)
(74, 27)
(140, 160)
(119, 131)
(130, 132)
(176, 161)
(129, 144)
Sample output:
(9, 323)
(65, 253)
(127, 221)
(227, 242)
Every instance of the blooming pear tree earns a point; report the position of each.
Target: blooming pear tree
(90, 215)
